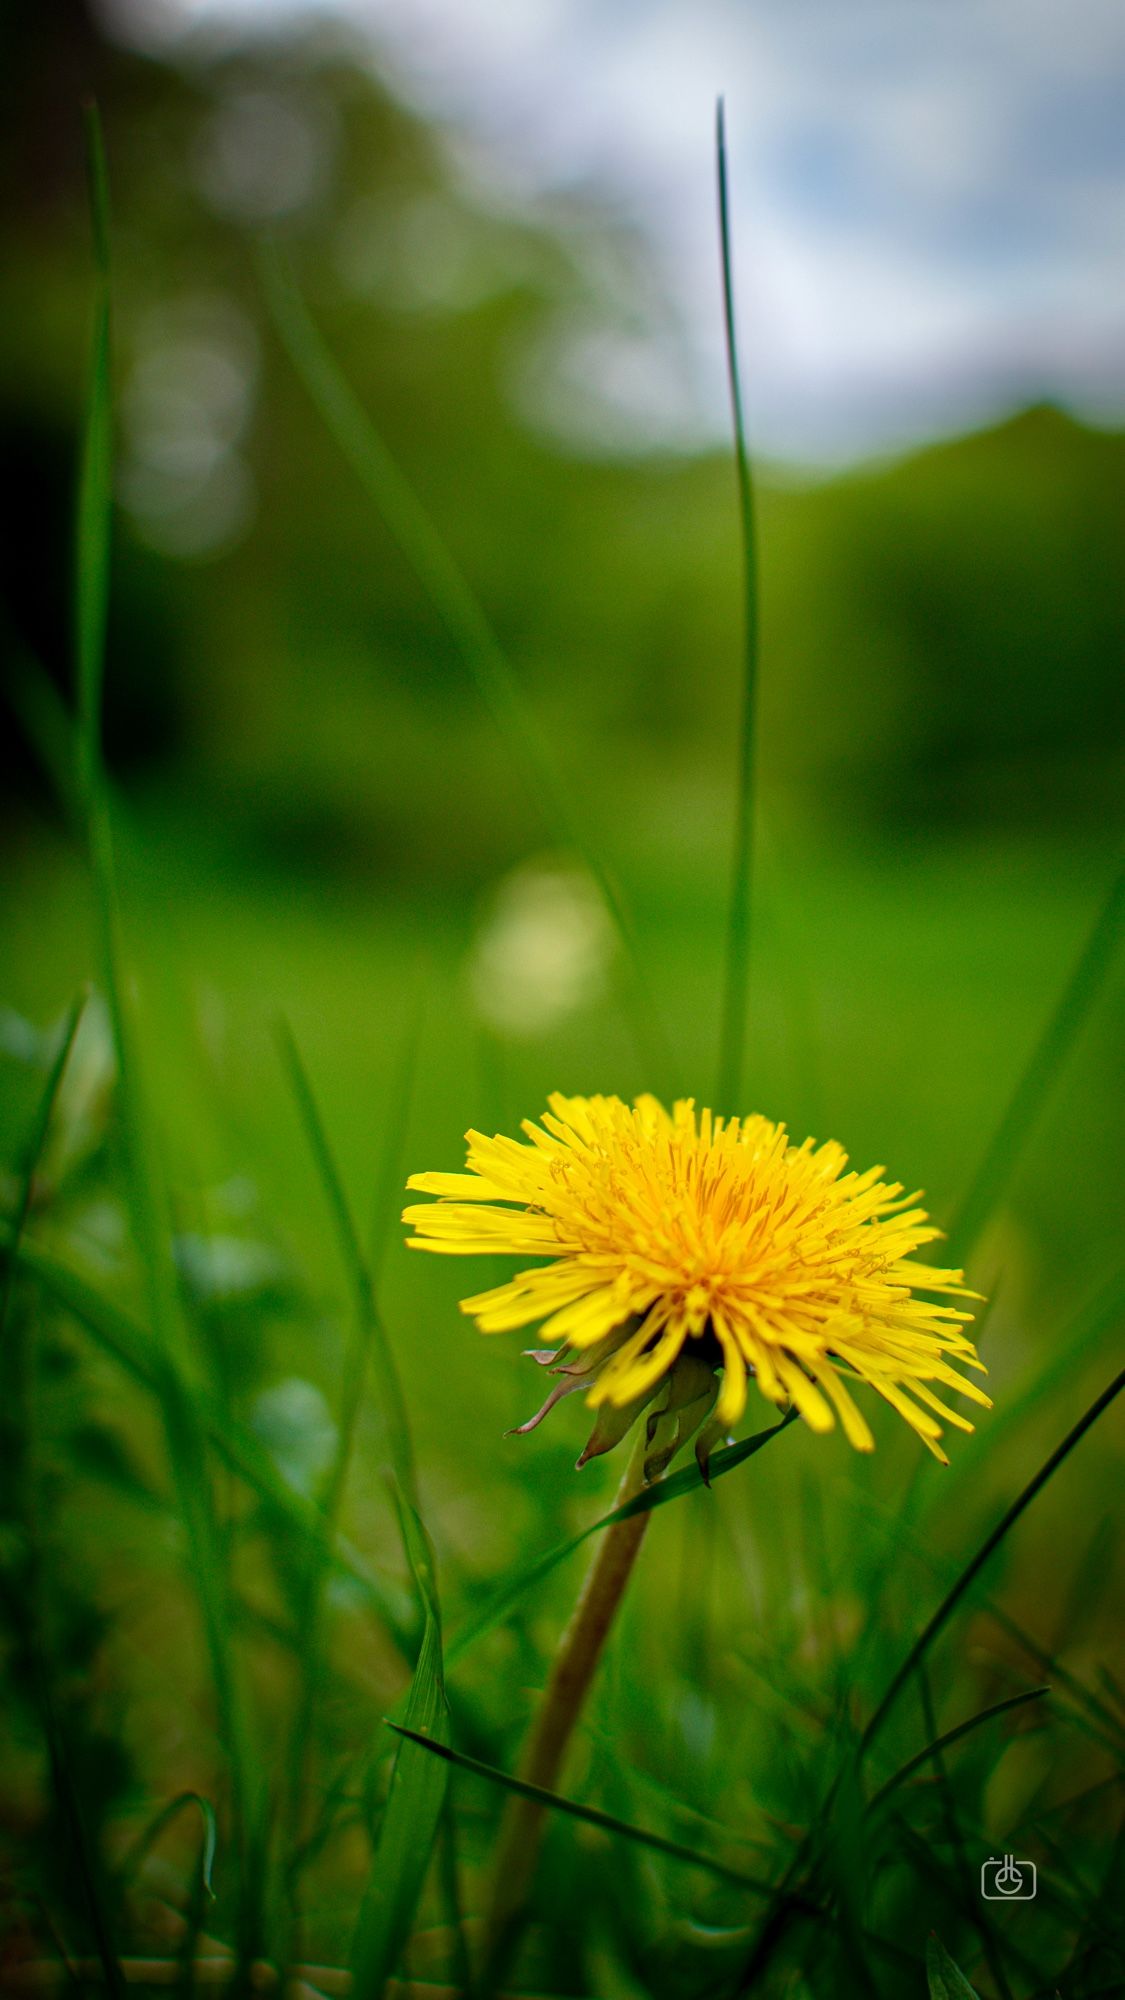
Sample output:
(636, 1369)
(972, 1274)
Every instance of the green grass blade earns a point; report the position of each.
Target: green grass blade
(22, 1582)
(95, 511)
(149, 1835)
(240, 1449)
(185, 1441)
(370, 1343)
(1093, 1716)
(995, 1171)
(940, 1744)
(412, 1816)
(987, 1548)
(85, 1857)
(1067, 1354)
(608, 1822)
(732, 1037)
(690, 1480)
(46, 723)
(945, 1981)
(386, 1208)
(987, 1931)
(458, 607)
(367, 1348)
(33, 1154)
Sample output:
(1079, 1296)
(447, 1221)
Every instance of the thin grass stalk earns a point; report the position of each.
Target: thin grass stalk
(994, 1175)
(24, 1587)
(185, 1438)
(368, 1347)
(936, 1753)
(370, 1342)
(736, 979)
(988, 1547)
(462, 614)
(36, 1142)
(606, 1822)
(240, 1449)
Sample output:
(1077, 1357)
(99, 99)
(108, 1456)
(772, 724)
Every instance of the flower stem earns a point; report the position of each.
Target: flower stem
(576, 1661)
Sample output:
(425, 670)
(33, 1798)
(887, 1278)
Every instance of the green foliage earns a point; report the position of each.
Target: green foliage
(946, 1983)
(238, 1449)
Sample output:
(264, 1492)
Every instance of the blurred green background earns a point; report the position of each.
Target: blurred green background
(320, 822)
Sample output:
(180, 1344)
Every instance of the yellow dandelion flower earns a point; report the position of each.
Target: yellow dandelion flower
(688, 1252)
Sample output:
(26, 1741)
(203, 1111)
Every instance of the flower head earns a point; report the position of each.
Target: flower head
(687, 1253)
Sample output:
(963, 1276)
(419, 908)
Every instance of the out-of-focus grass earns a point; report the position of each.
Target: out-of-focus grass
(824, 1705)
(927, 984)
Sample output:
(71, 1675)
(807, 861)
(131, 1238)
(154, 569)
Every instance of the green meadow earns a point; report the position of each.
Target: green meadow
(361, 793)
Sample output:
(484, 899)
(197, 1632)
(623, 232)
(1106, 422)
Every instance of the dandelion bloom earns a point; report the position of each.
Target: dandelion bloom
(687, 1252)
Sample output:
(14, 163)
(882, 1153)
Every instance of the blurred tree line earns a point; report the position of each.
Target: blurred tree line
(942, 635)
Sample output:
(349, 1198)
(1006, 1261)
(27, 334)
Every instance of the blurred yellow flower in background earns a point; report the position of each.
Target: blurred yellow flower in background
(688, 1252)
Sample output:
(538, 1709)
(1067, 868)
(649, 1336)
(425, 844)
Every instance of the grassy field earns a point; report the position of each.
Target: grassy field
(257, 1500)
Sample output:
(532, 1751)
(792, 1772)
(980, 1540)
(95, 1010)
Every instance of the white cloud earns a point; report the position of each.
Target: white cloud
(929, 194)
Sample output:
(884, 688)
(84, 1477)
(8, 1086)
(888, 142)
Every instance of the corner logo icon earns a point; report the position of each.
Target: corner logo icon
(1007, 1880)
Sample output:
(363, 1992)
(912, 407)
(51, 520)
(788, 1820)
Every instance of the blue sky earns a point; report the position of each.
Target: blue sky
(929, 195)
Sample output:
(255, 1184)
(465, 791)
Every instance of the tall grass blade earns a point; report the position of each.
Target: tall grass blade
(608, 1822)
(940, 1744)
(368, 1347)
(986, 1930)
(46, 723)
(240, 1449)
(732, 1036)
(995, 1171)
(458, 607)
(387, 1204)
(21, 1580)
(370, 1343)
(95, 479)
(186, 1443)
(412, 1816)
(149, 1835)
(36, 1141)
(987, 1548)
(1071, 1348)
(946, 1982)
(690, 1480)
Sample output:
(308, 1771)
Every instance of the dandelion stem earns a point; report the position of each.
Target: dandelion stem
(575, 1664)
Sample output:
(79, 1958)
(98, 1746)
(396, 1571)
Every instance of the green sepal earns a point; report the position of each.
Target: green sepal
(692, 1388)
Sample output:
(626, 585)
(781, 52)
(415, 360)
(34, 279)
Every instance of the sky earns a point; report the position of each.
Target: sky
(929, 195)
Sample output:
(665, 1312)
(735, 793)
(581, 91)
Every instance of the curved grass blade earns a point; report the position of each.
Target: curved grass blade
(937, 1748)
(241, 1450)
(458, 607)
(988, 1547)
(607, 1822)
(148, 1837)
(946, 1982)
(387, 1204)
(672, 1488)
(368, 1347)
(1067, 1352)
(95, 477)
(412, 1816)
(370, 1343)
(732, 1036)
(185, 1440)
(996, 1169)
(46, 723)
(22, 1583)
(34, 1152)
(1092, 1715)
